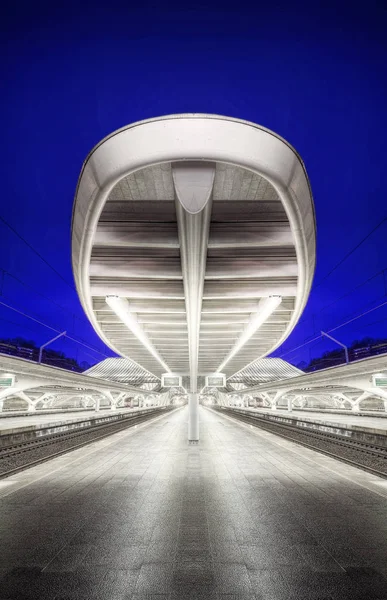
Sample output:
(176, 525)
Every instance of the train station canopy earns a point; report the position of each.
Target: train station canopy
(193, 243)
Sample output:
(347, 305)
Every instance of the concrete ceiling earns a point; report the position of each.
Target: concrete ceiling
(193, 247)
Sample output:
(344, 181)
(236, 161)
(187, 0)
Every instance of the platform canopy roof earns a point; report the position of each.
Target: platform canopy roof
(193, 243)
(261, 371)
(125, 371)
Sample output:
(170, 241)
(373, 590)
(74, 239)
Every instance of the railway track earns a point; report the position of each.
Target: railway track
(16, 455)
(368, 454)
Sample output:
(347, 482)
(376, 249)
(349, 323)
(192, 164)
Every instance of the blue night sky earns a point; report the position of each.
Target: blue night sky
(74, 72)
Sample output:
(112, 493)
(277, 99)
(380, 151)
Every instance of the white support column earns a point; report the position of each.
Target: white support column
(356, 404)
(109, 396)
(48, 402)
(340, 399)
(90, 401)
(278, 397)
(266, 397)
(297, 399)
(193, 418)
(290, 404)
(120, 397)
(23, 396)
(193, 203)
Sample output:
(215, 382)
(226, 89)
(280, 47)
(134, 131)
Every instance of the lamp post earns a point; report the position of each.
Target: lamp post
(339, 343)
(48, 343)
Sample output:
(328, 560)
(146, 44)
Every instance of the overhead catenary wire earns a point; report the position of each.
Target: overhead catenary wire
(71, 313)
(51, 328)
(341, 261)
(382, 272)
(24, 327)
(27, 285)
(335, 328)
(373, 323)
(358, 317)
(36, 252)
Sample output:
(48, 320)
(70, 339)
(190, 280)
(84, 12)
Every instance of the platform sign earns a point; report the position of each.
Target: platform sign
(216, 380)
(169, 380)
(7, 381)
(379, 380)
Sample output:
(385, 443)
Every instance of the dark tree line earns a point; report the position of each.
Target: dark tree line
(363, 348)
(23, 348)
(358, 349)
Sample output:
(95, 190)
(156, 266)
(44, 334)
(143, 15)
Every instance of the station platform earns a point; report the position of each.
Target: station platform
(34, 420)
(15, 422)
(361, 422)
(242, 515)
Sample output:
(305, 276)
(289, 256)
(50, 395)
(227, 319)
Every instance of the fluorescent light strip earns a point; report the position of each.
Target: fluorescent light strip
(266, 307)
(122, 309)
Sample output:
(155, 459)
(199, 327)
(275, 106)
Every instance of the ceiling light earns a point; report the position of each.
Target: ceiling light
(122, 309)
(265, 308)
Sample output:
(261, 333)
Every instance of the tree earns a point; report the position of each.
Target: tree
(50, 356)
(336, 356)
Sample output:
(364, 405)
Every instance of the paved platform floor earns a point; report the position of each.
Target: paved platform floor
(244, 515)
(35, 419)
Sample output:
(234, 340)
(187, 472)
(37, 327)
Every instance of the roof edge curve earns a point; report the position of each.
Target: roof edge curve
(252, 146)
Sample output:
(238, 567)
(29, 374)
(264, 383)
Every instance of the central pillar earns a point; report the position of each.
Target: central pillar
(193, 418)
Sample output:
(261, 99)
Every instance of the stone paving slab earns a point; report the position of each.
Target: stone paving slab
(244, 515)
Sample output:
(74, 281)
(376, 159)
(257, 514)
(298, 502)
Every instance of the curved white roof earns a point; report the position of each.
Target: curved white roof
(183, 227)
(261, 371)
(125, 371)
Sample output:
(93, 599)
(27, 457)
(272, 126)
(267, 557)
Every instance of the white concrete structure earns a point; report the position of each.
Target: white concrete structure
(124, 371)
(262, 371)
(193, 243)
(45, 386)
(344, 386)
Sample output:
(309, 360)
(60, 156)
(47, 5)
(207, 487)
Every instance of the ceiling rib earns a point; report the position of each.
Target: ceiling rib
(193, 185)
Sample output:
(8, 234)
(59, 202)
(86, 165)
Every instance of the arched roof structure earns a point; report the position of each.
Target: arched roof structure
(193, 242)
